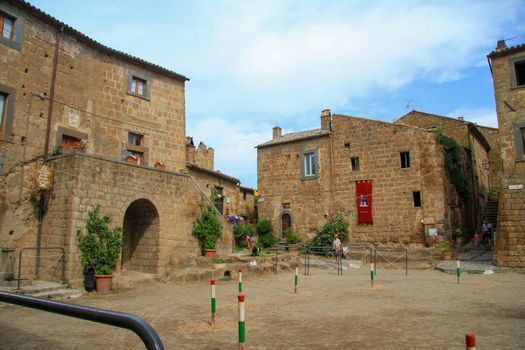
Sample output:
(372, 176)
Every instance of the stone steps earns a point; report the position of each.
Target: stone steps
(44, 290)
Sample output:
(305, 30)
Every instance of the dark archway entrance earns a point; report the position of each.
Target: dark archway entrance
(141, 232)
(286, 223)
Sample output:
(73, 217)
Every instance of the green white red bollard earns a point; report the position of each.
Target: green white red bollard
(458, 270)
(240, 280)
(213, 304)
(242, 328)
(296, 277)
(372, 273)
(470, 341)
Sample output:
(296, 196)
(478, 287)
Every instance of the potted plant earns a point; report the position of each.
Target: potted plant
(100, 248)
(444, 248)
(207, 229)
(492, 195)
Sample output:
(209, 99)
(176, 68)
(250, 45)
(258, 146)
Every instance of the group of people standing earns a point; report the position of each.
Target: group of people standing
(487, 235)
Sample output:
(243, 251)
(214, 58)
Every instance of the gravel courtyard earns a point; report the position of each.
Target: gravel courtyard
(425, 310)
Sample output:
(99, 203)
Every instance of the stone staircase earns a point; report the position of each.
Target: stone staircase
(491, 212)
(44, 290)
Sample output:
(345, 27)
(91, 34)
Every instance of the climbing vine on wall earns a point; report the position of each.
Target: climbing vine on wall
(452, 152)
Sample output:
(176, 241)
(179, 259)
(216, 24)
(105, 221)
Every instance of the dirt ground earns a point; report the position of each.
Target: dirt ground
(425, 310)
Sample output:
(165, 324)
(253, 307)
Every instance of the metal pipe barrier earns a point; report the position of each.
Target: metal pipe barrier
(143, 329)
(307, 251)
(38, 249)
(397, 258)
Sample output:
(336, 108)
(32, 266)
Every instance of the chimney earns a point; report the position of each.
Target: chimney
(500, 46)
(461, 118)
(326, 119)
(276, 132)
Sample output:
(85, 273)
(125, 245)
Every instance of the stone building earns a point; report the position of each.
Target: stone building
(480, 159)
(507, 65)
(230, 198)
(388, 180)
(110, 129)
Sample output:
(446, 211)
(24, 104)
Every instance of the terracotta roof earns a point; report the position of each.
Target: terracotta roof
(217, 173)
(95, 44)
(247, 189)
(507, 51)
(295, 136)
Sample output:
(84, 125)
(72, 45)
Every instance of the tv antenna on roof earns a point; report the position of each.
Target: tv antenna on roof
(410, 104)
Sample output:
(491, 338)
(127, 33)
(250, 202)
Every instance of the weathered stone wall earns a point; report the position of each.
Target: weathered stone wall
(82, 181)
(473, 157)
(281, 189)
(510, 106)
(378, 146)
(92, 102)
(495, 162)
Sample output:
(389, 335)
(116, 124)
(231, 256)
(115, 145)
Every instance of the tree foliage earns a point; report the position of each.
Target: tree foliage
(336, 226)
(240, 231)
(207, 227)
(264, 231)
(100, 246)
(452, 153)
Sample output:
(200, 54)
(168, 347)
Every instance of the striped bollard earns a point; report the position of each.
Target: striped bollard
(372, 273)
(213, 306)
(242, 328)
(458, 270)
(240, 280)
(470, 341)
(296, 277)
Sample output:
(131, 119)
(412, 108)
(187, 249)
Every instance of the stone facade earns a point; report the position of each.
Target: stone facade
(477, 155)
(347, 150)
(507, 65)
(117, 135)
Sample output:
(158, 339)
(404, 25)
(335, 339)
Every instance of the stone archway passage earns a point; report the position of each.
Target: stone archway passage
(286, 223)
(141, 232)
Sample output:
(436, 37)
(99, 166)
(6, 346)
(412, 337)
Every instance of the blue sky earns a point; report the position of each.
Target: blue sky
(257, 64)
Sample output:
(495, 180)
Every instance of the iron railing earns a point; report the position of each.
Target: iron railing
(38, 249)
(143, 329)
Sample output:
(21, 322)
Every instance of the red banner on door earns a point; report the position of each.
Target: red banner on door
(363, 191)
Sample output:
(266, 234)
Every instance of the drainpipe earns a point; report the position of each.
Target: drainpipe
(41, 204)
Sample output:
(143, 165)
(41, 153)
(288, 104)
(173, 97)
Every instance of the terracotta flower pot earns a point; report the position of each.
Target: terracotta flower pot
(103, 283)
(210, 253)
(446, 255)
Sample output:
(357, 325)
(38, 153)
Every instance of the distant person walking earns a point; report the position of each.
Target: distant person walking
(336, 246)
(487, 232)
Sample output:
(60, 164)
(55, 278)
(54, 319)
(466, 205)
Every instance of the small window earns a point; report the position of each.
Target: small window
(417, 199)
(309, 165)
(405, 160)
(355, 163)
(522, 130)
(3, 104)
(8, 26)
(7, 99)
(519, 68)
(135, 139)
(138, 86)
(71, 143)
(135, 152)
(519, 140)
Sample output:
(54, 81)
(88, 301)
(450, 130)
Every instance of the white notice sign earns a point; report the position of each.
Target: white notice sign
(515, 187)
(432, 232)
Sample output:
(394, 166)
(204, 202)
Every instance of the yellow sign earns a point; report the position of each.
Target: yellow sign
(43, 177)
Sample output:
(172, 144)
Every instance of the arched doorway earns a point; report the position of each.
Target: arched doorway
(141, 232)
(286, 223)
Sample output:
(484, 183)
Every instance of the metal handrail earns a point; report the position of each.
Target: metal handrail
(38, 249)
(143, 329)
